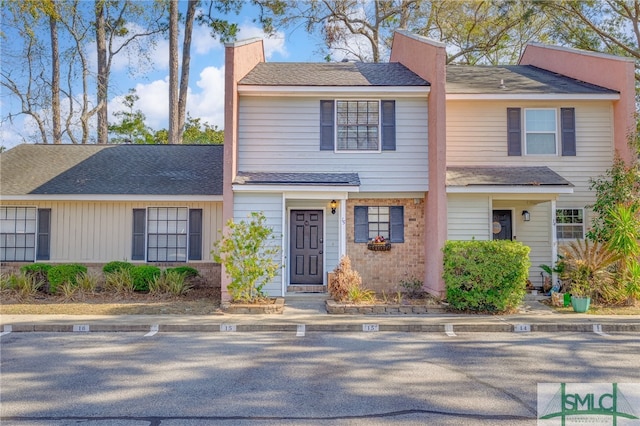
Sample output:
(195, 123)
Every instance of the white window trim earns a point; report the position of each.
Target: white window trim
(555, 221)
(335, 135)
(526, 132)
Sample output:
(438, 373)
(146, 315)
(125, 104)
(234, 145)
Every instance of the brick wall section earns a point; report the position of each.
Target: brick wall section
(210, 272)
(383, 270)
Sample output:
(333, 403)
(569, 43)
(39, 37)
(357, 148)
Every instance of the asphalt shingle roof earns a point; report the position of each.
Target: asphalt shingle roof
(112, 169)
(332, 74)
(334, 179)
(504, 176)
(516, 79)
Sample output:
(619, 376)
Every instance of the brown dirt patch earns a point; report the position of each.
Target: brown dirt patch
(201, 300)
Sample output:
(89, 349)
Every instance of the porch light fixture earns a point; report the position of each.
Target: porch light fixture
(526, 216)
(333, 204)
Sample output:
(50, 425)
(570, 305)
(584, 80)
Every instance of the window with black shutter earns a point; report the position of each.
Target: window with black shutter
(383, 221)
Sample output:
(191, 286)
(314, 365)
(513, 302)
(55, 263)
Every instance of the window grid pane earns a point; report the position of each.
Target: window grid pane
(569, 224)
(17, 234)
(378, 218)
(167, 238)
(358, 125)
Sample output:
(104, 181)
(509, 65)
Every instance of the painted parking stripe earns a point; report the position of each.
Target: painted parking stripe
(6, 330)
(153, 330)
(448, 330)
(300, 330)
(597, 328)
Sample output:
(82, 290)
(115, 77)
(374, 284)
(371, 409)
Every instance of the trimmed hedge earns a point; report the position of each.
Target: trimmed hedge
(485, 276)
(38, 271)
(143, 275)
(116, 265)
(61, 274)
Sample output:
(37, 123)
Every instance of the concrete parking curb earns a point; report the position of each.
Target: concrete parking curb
(371, 325)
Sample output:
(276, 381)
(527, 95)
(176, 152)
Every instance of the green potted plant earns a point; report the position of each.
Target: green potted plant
(587, 271)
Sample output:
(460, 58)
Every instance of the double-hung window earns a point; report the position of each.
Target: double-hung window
(540, 131)
(171, 234)
(569, 224)
(384, 221)
(357, 125)
(24, 234)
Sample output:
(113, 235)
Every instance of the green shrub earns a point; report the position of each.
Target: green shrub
(116, 265)
(60, 274)
(185, 271)
(248, 257)
(143, 275)
(485, 276)
(39, 271)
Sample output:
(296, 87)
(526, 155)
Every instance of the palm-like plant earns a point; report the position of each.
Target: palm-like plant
(587, 267)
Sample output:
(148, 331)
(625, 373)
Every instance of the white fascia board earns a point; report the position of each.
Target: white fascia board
(531, 97)
(304, 195)
(294, 188)
(406, 91)
(111, 197)
(491, 189)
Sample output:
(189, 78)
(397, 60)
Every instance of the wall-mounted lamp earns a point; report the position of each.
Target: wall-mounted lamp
(526, 216)
(333, 204)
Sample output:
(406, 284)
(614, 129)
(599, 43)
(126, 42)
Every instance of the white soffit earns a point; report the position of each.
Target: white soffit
(531, 97)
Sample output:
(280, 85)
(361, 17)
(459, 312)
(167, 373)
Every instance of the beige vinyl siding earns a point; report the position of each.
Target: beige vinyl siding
(477, 135)
(468, 217)
(102, 231)
(536, 233)
(271, 205)
(283, 134)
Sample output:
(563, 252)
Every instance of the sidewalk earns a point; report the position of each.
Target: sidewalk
(310, 312)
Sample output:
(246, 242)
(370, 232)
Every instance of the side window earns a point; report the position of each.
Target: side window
(385, 221)
(569, 224)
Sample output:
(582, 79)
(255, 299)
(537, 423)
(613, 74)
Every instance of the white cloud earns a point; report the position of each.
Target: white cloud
(272, 44)
(206, 103)
(202, 42)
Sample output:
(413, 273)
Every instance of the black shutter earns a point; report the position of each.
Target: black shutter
(195, 234)
(388, 125)
(326, 126)
(514, 132)
(361, 224)
(397, 224)
(568, 123)
(44, 234)
(139, 225)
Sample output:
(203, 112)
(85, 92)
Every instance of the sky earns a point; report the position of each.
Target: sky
(206, 82)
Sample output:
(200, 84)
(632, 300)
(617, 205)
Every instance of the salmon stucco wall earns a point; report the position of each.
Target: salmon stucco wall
(383, 270)
(612, 72)
(427, 58)
(240, 58)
